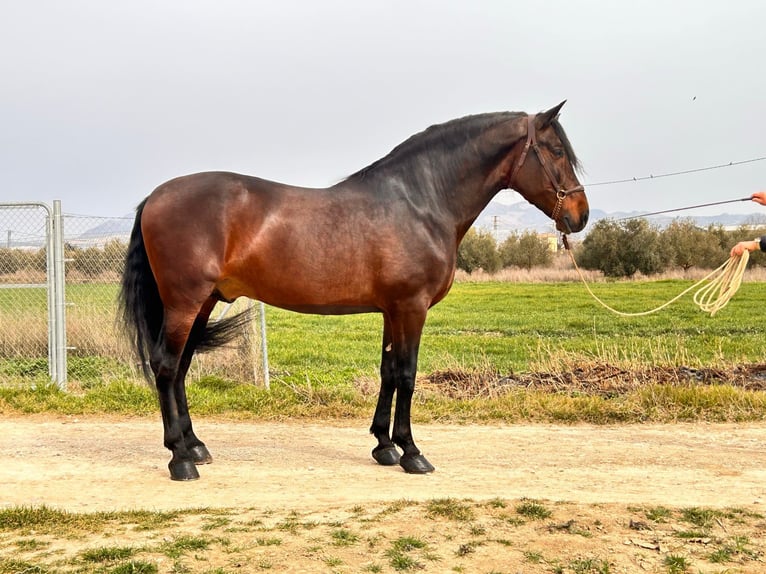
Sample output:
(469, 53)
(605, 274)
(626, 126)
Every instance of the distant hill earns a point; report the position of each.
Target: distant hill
(505, 219)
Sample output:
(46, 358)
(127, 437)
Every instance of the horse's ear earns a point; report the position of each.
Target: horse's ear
(543, 119)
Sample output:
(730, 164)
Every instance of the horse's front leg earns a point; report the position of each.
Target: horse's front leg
(385, 452)
(406, 334)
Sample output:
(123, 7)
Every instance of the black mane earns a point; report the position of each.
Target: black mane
(436, 146)
(435, 143)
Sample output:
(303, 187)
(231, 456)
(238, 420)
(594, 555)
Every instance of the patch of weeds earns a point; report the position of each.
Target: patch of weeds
(398, 557)
(450, 508)
(408, 544)
(45, 519)
(108, 554)
(497, 503)
(147, 520)
(211, 523)
(133, 567)
(590, 566)
(268, 541)
(289, 524)
(533, 557)
(690, 534)
(333, 561)
(397, 506)
(31, 544)
(478, 530)
(374, 568)
(402, 562)
(737, 547)
(700, 517)
(571, 527)
(183, 544)
(468, 548)
(676, 564)
(532, 510)
(721, 556)
(343, 537)
(658, 514)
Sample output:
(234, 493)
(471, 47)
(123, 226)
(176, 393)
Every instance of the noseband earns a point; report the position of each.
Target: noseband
(561, 193)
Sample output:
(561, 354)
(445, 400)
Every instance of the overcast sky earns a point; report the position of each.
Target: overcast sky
(102, 101)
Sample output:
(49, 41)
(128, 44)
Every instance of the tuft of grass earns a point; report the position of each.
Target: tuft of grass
(183, 544)
(658, 514)
(343, 537)
(450, 509)
(108, 554)
(676, 564)
(533, 510)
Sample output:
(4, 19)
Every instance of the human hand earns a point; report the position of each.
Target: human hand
(743, 246)
(759, 197)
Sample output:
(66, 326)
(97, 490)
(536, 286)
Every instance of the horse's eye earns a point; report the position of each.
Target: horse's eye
(558, 152)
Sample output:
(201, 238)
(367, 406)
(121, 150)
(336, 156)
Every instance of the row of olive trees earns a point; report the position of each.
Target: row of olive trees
(479, 250)
(617, 248)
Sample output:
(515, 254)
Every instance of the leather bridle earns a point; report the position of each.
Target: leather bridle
(561, 193)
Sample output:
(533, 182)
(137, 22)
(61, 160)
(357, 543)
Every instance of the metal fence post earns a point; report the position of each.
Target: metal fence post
(59, 299)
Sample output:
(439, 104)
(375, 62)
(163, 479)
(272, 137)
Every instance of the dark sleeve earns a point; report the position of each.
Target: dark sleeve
(763, 243)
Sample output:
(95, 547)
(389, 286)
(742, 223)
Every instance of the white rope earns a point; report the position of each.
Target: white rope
(711, 298)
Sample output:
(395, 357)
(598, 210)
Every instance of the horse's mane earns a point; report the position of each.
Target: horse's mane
(436, 144)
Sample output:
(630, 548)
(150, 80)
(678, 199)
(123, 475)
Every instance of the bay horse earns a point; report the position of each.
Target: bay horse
(384, 240)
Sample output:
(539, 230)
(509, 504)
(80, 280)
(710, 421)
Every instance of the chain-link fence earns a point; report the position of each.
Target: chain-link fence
(97, 349)
(24, 289)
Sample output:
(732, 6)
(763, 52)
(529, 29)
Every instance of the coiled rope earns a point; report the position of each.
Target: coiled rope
(711, 298)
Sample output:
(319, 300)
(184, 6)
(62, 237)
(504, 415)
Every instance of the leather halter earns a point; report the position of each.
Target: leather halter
(561, 193)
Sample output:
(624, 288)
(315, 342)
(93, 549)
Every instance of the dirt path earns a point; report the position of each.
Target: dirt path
(95, 464)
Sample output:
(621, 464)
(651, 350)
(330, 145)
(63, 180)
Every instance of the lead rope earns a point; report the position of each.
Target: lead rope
(711, 298)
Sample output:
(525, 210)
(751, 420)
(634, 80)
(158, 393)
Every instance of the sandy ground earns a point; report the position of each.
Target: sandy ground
(93, 464)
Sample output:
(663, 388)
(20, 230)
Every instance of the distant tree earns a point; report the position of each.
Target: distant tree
(691, 246)
(478, 250)
(601, 249)
(622, 249)
(526, 251)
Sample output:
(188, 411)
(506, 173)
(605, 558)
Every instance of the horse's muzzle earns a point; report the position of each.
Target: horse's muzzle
(568, 223)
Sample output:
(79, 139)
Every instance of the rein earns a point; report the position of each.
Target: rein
(711, 298)
(561, 193)
(684, 208)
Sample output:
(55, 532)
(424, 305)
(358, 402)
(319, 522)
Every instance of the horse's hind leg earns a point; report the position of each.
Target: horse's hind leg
(385, 453)
(199, 452)
(170, 363)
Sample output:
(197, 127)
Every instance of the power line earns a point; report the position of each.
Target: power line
(671, 174)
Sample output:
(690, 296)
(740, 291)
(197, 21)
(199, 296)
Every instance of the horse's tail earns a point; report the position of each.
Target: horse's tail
(139, 299)
(143, 311)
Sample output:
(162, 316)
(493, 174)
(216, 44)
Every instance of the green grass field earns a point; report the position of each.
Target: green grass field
(327, 366)
(521, 327)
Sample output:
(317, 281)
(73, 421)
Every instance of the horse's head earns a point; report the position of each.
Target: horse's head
(546, 178)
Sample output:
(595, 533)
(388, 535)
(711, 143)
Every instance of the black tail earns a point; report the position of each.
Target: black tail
(143, 312)
(140, 303)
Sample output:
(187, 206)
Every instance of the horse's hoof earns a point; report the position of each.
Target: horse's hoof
(386, 456)
(184, 470)
(416, 464)
(200, 454)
